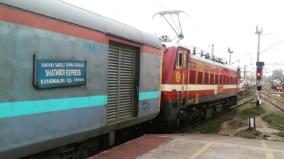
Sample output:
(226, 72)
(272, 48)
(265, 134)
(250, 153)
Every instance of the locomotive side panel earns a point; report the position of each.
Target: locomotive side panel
(194, 82)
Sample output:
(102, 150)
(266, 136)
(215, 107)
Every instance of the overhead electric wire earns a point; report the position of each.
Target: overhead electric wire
(273, 34)
(270, 47)
(261, 52)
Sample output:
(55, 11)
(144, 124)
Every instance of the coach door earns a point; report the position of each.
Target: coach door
(123, 76)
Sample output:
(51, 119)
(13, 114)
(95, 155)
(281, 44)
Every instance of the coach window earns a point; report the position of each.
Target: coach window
(179, 59)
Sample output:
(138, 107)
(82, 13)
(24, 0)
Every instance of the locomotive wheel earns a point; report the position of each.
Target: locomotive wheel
(177, 124)
(202, 114)
(209, 113)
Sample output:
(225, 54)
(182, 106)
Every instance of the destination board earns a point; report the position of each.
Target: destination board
(59, 73)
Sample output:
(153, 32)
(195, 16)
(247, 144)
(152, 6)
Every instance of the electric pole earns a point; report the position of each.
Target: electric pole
(212, 50)
(258, 32)
(230, 53)
(259, 68)
(245, 73)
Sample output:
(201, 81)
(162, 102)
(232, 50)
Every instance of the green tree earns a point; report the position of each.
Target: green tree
(277, 74)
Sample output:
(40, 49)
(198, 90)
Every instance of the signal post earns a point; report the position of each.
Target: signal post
(259, 68)
(259, 75)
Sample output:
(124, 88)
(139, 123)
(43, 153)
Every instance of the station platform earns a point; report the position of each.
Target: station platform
(194, 146)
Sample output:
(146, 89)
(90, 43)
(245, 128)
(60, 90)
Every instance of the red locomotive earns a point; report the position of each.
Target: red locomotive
(276, 84)
(194, 86)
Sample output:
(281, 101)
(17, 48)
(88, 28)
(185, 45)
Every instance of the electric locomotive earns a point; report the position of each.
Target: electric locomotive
(195, 86)
(276, 85)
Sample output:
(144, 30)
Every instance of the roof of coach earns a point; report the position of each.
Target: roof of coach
(60, 10)
(196, 57)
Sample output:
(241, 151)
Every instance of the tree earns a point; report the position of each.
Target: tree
(277, 74)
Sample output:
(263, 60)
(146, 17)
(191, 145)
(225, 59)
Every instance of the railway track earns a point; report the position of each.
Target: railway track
(243, 102)
(273, 101)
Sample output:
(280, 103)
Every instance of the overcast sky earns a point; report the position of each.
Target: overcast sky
(226, 23)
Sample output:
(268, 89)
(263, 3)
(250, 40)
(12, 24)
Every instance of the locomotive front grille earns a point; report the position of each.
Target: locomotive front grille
(121, 75)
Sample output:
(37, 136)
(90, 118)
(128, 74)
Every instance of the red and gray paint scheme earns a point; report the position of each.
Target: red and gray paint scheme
(191, 82)
(122, 83)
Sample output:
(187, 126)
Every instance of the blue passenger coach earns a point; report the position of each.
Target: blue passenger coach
(68, 75)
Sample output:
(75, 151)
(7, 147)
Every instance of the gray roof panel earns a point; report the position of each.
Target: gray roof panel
(60, 10)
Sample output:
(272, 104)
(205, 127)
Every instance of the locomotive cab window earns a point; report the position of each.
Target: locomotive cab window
(179, 59)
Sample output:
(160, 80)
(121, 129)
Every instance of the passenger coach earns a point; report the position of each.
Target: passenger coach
(68, 75)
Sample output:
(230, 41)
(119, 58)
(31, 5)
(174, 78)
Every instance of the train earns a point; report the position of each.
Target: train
(277, 85)
(70, 79)
(195, 86)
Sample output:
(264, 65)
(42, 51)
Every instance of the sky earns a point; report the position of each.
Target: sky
(224, 23)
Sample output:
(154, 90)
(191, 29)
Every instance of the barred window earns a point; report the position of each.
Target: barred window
(211, 79)
(216, 79)
(192, 77)
(200, 78)
(206, 78)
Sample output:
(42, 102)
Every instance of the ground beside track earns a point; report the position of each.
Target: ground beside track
(195, 146)
(225, 136)
(275, 117)
(235, 123)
